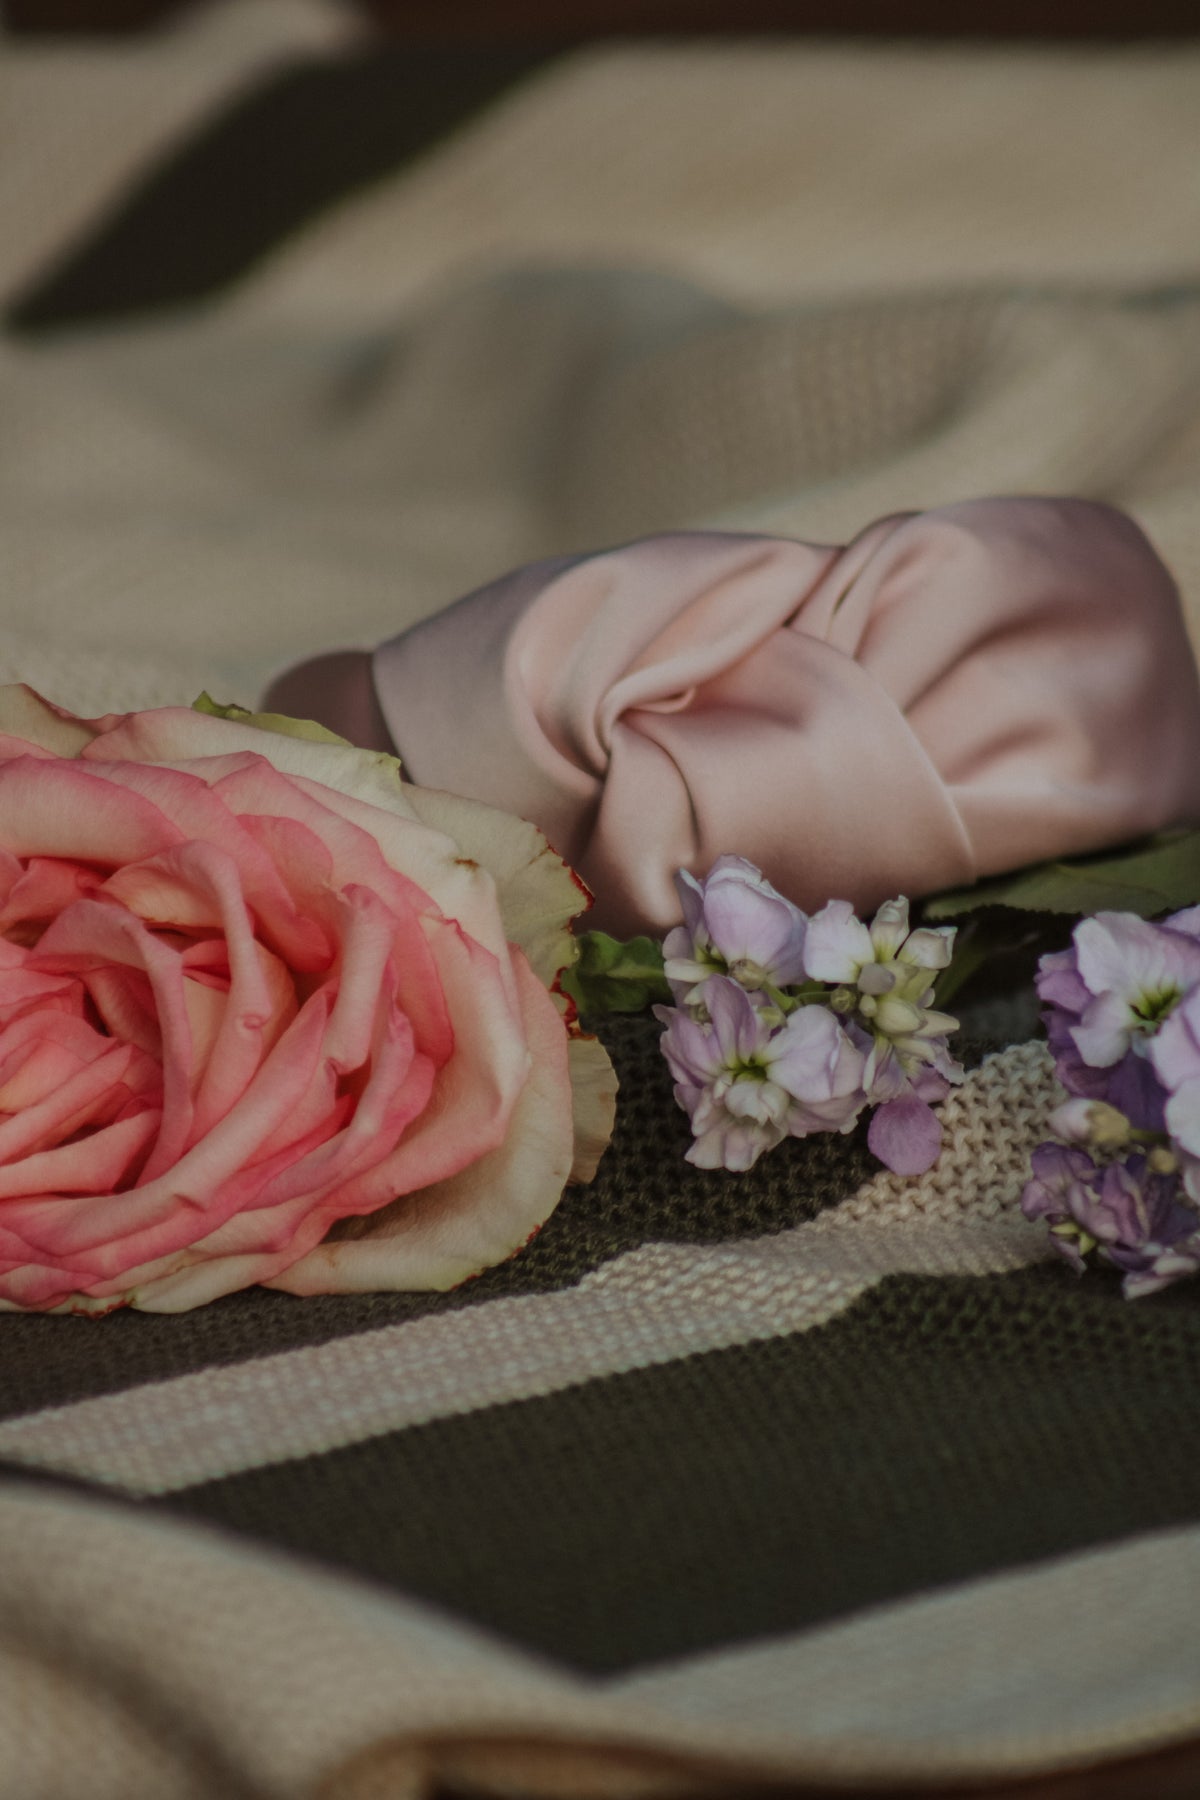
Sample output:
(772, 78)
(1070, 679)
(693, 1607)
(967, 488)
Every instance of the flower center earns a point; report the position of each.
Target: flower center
(747, 1069)
(1151, 1008)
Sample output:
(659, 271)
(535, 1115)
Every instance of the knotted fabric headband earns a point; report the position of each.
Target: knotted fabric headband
(955, 693)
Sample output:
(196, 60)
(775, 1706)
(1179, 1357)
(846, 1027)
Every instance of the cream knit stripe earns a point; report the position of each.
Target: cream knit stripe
(1013, 1671)
(214, 1664)
(650, 1306)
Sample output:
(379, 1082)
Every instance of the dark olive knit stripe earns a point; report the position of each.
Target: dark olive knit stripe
(939, 1430)
(264, 165)
(645, 1192)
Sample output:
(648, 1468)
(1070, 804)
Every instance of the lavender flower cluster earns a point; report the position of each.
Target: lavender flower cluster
(786, 1024)
(1123, 1022)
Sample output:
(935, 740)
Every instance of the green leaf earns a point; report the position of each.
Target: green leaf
(995, 952)
(972, 948)
(615, 976)
(265, 721)
(1159, 874)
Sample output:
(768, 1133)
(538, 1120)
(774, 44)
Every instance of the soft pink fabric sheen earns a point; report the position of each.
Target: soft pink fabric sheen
(956, 693)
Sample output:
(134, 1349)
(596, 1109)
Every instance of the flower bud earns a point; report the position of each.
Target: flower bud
(1082, 1121)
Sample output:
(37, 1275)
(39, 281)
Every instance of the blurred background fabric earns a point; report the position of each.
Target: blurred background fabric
(303, 339)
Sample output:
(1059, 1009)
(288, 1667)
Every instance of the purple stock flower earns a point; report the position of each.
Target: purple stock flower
(1123, 1020)
(1175, 1056)
(1095, 1122)
(785, 1026)
(735, 924)
(1107, 997)
(1142, 1228)
(721, 1078)
(1057, 1193)
(884, 974)
(822, 1068)
(905, 1134)
(1126, 1210)
(884, 957)
(747, 1084)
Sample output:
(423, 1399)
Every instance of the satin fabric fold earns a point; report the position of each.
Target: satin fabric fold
(956, 693)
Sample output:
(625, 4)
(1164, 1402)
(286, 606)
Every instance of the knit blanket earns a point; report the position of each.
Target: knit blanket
(815, 1479)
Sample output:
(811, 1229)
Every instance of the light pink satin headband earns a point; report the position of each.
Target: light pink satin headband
(956, 693)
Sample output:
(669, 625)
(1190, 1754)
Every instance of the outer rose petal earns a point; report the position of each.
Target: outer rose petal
(173, 734)
(453, 1229)
(25, 714)
(538, 894)
(594, 1090)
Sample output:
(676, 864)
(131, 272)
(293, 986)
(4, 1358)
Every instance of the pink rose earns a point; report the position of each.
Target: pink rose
(252, 985)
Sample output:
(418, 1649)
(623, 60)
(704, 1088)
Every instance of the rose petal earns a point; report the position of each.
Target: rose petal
(100, 1161)
(305, 1187)
(27, 990)
(66, 1108)
(154, 890)
(396, 1091)
(124, 1000)
(538, 894)
(406, 1069)
(20, 1036)
(37, 1065)
(54, 808)
(24, 714)
(174, 734)
(594, 1102)
(449, 1230)
(110, 1234)
(206, 1006)
(44, 887)
(95, 935)
(475, 1091)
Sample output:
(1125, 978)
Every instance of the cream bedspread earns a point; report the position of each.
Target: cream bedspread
(771, 286)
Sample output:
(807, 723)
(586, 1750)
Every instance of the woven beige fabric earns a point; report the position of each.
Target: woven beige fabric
(82, 118)
(158, 1661)
(784, 288)
(971, 1678)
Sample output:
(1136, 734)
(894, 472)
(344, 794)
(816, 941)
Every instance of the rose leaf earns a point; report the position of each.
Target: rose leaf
(615, 976)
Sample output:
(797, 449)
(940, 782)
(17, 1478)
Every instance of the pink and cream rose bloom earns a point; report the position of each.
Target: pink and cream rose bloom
(270, 1014)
